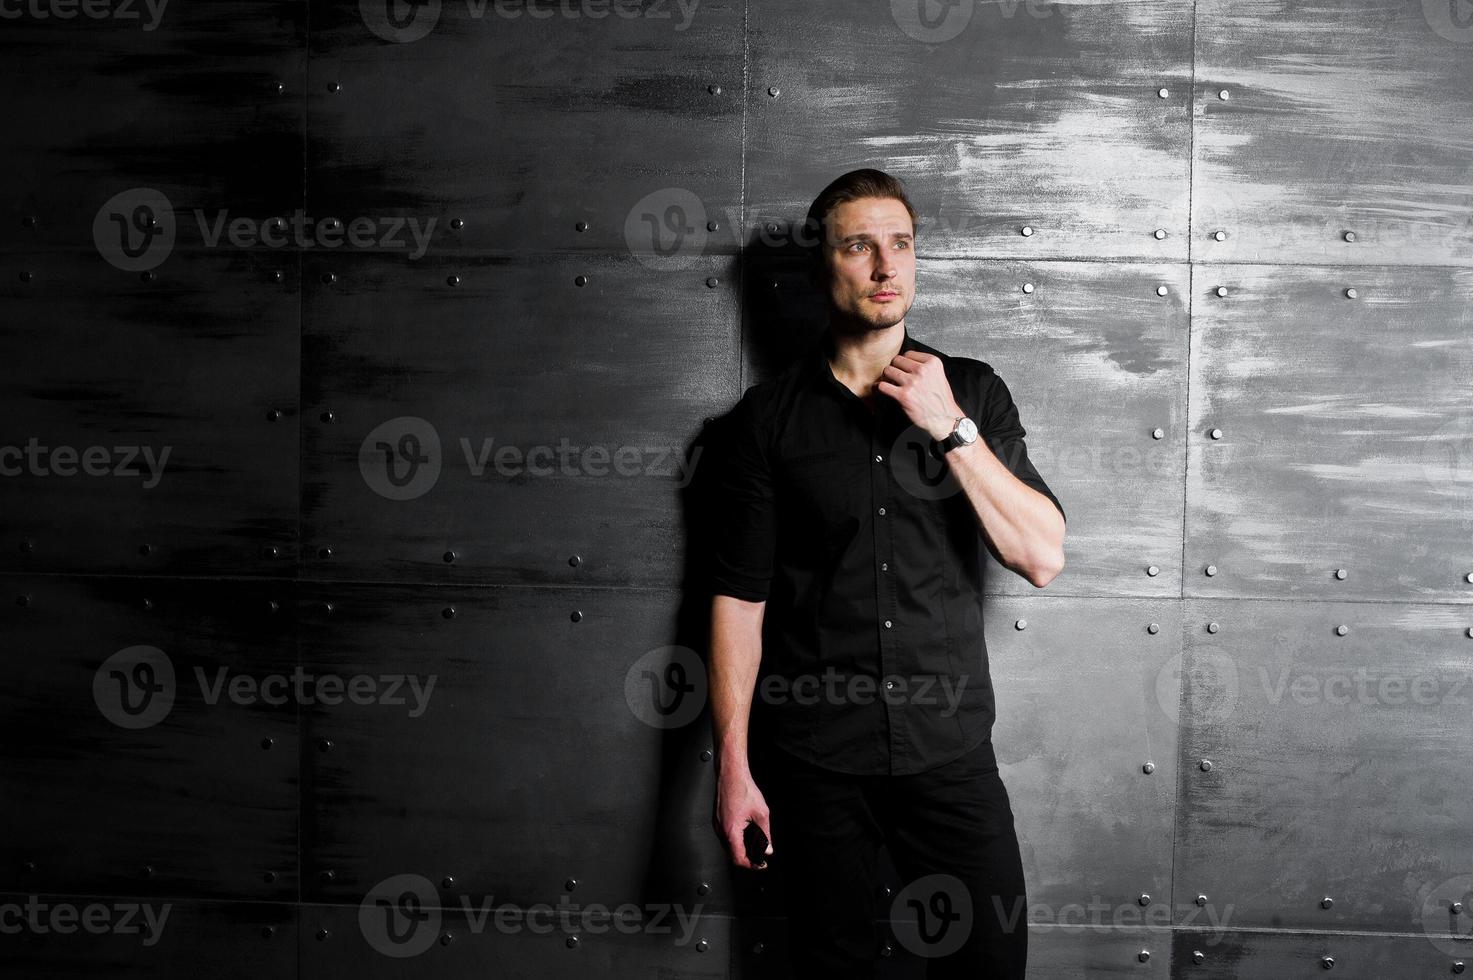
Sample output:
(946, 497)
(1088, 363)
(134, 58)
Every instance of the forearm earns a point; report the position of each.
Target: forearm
(1022, 527)
(736, 654)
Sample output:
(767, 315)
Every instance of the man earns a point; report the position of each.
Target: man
(856, 501)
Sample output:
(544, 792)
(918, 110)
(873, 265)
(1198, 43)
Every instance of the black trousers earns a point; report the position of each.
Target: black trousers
(961, 902)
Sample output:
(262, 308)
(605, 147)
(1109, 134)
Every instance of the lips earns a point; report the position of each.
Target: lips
(884, 295)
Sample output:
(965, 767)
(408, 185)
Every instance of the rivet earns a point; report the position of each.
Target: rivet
(774, 91)
(1328, 962)
(1470, 632)
(1153, 570)
(1457, 966)
(702, 946)
(29, 866)
(325, 745)
(1206, 766)
(570, 884)
(1221, 290)
(1162, 290)
(581, 226)
(1157, 433)
(147, 276)
(1213, 627)
(270, 879)
(887, 950)
(1143, 955)
(447, 882)
(1027, 287)
(1218, 236)
(322, 935)
(1160, 233)
(334, 87)
(757, 948)
(446, 938)
(575, 561)
(448, 612)
(581, 281)
(274, 415)
(1215, 433)
(272, 606)
(278, 275)
(328, 875)
(1457, 908)
(1210, 569)
(712, 282)
(147, 603)
(1350, 236)
(714, 89)
(145, 549)
(1327, 902)
(1027, 231)
(1340, 573)
(576, 616)
(1202, 900)
(449, 557)
(1468, 577)
(29, 221)
(26, 546)
(1162, 93)
(1153, 628)
(571, 942)
(25, 277)
(713, 225)
(1144, 900)
(1341, 630)
(1021, 624)
(324, 552)
(1148, 768)
(147, 871)
(328, 417)
(267, 932)
(703, 889)
(1223, 94)
(452, 280)
(267, 742)
(23, 600)
(1350, 293)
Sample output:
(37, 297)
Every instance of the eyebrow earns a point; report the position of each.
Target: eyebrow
(861, 236)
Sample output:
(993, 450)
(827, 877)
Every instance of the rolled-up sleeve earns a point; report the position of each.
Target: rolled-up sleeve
(1004, 433)
(745, 533)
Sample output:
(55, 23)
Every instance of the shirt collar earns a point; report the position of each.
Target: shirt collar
(819, 360)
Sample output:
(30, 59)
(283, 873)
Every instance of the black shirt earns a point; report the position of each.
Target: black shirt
(870, 558)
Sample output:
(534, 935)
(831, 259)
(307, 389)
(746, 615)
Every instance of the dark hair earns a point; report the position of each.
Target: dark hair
(865, 182)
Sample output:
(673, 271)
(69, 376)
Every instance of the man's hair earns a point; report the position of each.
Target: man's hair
(865, 182)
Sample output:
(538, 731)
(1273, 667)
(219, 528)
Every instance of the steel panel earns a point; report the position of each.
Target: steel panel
(245, 940)
(1298, 956)
(522, 126)
(1096, 362)
(1341, 115)
(186, 104)
(1347, 433)
(1339, 762)
(1086, 697)
(192, 364)
(194, 792)
(495, 781)
(999, 116)
(334, 944)
(610, 380)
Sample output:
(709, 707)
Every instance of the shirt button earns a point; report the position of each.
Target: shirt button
(887, 624)
(889, 685)
(879, 458)
(884, 566)
(882, 512)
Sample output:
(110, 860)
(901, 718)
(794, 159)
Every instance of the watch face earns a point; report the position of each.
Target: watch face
(966, 430)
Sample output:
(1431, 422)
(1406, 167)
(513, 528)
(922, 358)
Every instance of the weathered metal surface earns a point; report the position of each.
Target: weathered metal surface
(146, 939)
(485, 774)
(150, 427)
(179, 98)
(140, 757)
(997, 115)
(1338, 764)
(1096, 362)
(1300, 956)
(1087, 701)
(515, 419)
(1346, 433)
(1339, 116)
(524, 119)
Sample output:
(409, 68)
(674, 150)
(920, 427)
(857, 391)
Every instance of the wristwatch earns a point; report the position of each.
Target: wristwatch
(963, 434)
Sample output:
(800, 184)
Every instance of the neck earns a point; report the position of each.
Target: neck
(859, 358)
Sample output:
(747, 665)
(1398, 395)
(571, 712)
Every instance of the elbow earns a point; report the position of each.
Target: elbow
(1046, 569)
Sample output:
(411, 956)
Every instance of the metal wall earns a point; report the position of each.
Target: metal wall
(358, 361)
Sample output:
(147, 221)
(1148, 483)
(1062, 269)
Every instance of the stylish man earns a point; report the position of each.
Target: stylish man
(862, 484)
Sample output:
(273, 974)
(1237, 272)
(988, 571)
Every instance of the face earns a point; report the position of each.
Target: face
(870, 262)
